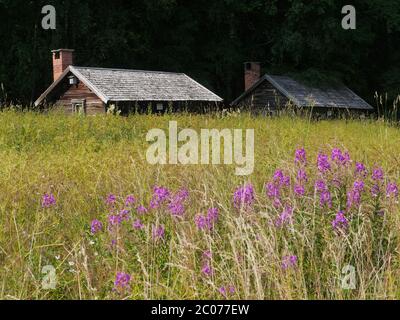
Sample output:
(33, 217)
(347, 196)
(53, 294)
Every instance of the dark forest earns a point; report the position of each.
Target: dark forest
(208, 40)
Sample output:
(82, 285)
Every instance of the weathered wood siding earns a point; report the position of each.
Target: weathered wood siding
(266, 95)
(93, 104)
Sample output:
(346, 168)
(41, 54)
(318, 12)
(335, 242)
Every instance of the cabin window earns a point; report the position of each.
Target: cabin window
(79, 107)
(160, 107)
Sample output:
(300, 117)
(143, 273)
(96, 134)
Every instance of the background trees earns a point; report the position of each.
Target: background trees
(209, 40)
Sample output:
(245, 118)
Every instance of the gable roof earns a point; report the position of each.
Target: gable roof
(137, 85)
(304, 96)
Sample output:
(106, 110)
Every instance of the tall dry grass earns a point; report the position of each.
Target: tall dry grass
(82, 160)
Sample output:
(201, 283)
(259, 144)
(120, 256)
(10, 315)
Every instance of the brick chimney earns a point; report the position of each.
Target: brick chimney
(62, 59)
(252, 72)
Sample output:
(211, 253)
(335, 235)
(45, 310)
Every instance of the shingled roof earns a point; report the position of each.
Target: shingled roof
(305, 96)
(137, 85)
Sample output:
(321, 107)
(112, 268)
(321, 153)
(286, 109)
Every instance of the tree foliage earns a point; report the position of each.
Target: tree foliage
(208, 40)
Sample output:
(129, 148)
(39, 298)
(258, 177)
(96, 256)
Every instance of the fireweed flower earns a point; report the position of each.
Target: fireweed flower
(325, 199)
(285, 217)
(158, 232)
(375, 190)
(124, 215)
(207, 269)
(320, 186)
(280, 179)
(300, 156)
(114, 220)
(243, 196)
(225, 290)
(340, 222)
(48, 200)
(339, 157)
(273, 191)
(122, 282)
(137, 224)
(130, 200)
(361, 169)
(96, 226)
(323, 163)
(141, 210)
(207, 222)
(111, 199)
(176, 205)
(377, 174)
(302, 176)
(299, 190)
(289, 262)
(392, 190)
(160, 195)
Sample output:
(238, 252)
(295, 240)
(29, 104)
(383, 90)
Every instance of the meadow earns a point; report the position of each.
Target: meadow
(84, 216)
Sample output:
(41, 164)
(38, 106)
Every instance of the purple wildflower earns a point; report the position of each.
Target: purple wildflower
(285, 217)
(299, 190)
(243, 196)
(340, 222)
(272, 190)
(207, 269)
(289, 262)
(375, 190)
(160, 195)
(141, 210)
(130, 200)
(137, 224)
(158, 232)
(320, 186)
(225, 290)
(339, 157)
(325, 199)
(48, 200)
(361, 169)
(300, 156)
(392, 190)
(280, 179)
(200, 221)
(377, 174)
(96, 226)
(176, 205)
(114, 219)
(323, 163)
(122, 282)
(302, 176)
(208, 221)
(111, 199)
(124, 215)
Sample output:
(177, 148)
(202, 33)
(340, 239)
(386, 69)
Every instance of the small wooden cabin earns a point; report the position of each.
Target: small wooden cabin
(270, 93)
(93, 90)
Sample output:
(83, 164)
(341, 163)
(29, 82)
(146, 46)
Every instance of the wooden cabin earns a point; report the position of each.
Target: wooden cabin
(93, 90)
(269, 94)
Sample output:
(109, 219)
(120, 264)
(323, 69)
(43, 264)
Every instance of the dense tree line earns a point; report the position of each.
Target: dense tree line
(208, 40)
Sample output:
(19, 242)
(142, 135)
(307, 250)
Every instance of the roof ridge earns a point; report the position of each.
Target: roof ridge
(129, 70)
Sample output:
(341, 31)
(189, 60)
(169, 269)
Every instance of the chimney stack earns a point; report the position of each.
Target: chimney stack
(252, 72)
(62, 59)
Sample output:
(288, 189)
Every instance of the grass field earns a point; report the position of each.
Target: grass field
(244, 254)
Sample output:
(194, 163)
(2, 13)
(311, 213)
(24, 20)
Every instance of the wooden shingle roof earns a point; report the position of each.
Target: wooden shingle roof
(137, 85)
(305, 96)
